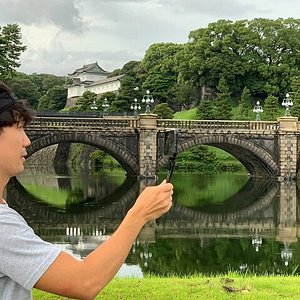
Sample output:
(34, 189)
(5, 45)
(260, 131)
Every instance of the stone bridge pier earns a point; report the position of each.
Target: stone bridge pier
(147, 145)
(288, 145)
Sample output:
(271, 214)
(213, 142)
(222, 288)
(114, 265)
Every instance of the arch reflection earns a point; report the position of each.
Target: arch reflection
(258, 230)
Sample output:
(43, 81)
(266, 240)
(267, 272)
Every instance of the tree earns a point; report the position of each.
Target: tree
(160, 70)
(125, 96)
(24, 88)
(245, 107)
(271, 108)
(10, 50)
(55, 99)
(186, 94)
(163, 111)
(261, 54)
(295, 95)
(205, 110)
(222, 108)
(45, 82)
(85, 101)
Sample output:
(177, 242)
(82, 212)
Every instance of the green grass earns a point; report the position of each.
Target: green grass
(186, 114)
(232, 286)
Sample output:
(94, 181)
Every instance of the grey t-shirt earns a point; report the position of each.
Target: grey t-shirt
(24, 257)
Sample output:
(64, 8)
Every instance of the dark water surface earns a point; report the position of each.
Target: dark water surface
(218, 223)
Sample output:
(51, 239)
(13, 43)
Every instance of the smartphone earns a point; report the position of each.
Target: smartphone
(170, 150)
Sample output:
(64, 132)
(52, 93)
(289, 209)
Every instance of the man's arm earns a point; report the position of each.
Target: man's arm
(84, 279)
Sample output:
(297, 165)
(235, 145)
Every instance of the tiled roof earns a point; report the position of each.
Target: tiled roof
(87, 68)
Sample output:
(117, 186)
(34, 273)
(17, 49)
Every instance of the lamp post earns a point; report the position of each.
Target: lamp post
(94, 105)
(258, 110)
(146, 255)
(256, 242)
(286, 254)
(135, 106)
(105, 106)
(287, 103)
(148, 99)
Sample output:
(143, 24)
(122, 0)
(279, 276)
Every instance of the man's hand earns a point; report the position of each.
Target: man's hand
(154, 201)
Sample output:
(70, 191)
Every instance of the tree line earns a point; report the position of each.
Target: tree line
(223, 70)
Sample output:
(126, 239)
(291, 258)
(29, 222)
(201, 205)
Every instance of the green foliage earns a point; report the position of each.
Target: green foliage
(208, 159)
(24, 88)
(295, 96)
(10, 50)
(41, 91)
(45, 82)
(245, 107)
(186, 94)
(160, 68)
(222, 107)
(261, 54)
(197, 153)
(205, 110)
(163, 111)
(125, 97)
(85, 101)
(55, 99)
(271, 109)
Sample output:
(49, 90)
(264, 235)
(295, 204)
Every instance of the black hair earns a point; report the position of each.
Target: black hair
(13, 111)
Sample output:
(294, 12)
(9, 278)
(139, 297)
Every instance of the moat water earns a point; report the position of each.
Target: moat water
(218, 223)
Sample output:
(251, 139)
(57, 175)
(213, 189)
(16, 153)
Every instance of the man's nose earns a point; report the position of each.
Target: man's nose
(26, 140)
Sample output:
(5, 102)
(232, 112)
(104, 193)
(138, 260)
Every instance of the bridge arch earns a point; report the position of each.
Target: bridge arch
(258, 161)
(112, 147)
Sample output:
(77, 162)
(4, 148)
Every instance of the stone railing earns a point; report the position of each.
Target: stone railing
(218, 125)
(44, 123)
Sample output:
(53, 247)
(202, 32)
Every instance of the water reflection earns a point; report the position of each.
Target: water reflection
(253, 227)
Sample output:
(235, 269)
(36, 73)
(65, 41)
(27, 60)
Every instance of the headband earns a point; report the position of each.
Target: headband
(6, 101)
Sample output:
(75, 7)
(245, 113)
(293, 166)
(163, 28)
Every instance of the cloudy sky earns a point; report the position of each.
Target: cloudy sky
(62, 35)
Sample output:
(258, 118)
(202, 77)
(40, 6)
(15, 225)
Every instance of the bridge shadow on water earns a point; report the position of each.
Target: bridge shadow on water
(107, 205)
(112, 205)
(262, 216)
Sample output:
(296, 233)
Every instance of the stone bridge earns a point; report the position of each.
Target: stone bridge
(266, 149)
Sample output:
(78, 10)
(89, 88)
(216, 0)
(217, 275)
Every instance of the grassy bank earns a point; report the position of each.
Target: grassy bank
(232, 286)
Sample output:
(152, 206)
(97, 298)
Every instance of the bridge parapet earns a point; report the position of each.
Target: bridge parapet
(93, 124)
(219, 125)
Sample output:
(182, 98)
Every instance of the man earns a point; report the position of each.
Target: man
(26, 261)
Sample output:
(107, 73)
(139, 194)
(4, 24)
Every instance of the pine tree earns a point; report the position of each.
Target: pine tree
(271, 108)
(10, 49)
(85, 101)
(295, 95)
(222, 109)
(245, 107)
(205, 110)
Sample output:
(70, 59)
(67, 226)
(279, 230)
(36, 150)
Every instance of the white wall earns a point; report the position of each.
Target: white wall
(105, 87)
(75, 91)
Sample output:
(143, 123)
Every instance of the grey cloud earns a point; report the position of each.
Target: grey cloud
(64, 14)
(224, 8)
(60, 62)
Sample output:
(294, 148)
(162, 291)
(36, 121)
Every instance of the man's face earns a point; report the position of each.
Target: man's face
(13, 144)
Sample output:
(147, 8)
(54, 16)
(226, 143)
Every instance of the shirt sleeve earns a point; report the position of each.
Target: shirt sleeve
(24, 257)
